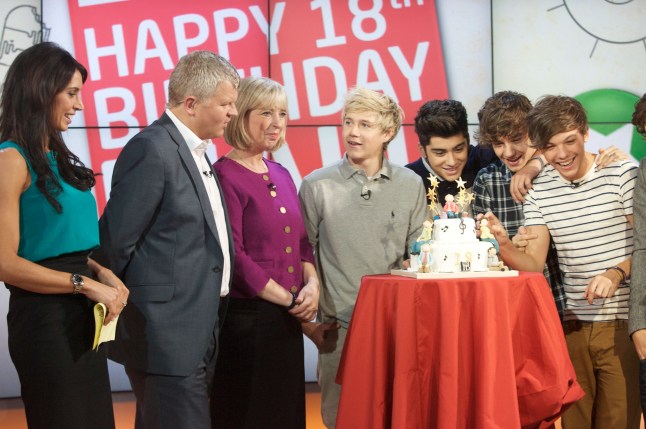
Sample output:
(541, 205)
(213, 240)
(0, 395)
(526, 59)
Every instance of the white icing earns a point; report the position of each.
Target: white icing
(455, 248)
(462, 230)
(455, 258)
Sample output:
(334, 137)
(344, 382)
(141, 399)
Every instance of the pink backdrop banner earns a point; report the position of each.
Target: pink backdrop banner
(317, 49)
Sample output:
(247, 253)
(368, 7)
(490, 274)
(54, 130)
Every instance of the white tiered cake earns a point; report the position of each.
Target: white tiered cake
(448, 247)
(455, 248)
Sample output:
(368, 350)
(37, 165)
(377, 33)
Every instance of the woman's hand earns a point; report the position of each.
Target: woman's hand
(307, 302)
(109, 290)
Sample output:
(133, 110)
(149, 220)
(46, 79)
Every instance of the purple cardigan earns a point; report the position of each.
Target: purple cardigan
(268, 243)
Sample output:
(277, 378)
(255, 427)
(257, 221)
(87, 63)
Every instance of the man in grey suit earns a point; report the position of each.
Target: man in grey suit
(637, 313)
(165, 233)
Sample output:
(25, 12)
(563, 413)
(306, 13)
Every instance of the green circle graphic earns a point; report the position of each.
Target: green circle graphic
(610, 109)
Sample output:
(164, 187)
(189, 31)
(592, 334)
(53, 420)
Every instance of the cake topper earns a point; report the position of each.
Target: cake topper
(492, 257)
(486, 235)
(484, 229)
(425, 237)
(425, 258)
(450, 207)
(493, 263)
(454, 205)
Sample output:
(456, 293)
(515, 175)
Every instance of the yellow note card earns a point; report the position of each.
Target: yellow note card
(102, 333)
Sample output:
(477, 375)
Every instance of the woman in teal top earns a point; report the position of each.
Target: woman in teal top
(48, 226)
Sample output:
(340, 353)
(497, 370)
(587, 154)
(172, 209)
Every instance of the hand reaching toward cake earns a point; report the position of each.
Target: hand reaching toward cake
(495, 227)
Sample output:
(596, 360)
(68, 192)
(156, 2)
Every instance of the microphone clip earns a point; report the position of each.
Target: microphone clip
(366, 193)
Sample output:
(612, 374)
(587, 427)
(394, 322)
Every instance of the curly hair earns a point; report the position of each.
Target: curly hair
(441, 118)
(34, 79)
(503, 116)
(639, 115)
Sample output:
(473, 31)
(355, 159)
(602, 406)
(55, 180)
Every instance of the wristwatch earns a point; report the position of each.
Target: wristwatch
(77, 283)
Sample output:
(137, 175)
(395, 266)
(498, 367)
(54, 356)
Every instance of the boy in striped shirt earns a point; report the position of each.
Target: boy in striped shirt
(501, 186)
(589, 214)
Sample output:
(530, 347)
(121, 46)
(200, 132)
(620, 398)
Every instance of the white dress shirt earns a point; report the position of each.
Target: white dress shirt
(198, 148)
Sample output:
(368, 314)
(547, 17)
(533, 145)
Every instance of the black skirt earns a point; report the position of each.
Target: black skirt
(64, 384)
(260, 371)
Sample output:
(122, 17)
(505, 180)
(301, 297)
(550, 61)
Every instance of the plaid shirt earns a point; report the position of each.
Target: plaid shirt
(491, 192)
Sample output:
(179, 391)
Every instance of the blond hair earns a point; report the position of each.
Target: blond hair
(390, 115)
(254, 93)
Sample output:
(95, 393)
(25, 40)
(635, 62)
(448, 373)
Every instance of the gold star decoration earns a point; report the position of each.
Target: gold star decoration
(432, 195)
(464, 198)
(470, 197)
(434, 181)
(461, 198)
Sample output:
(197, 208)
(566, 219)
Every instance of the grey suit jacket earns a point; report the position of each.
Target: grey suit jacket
(158, 233)
(637, 313)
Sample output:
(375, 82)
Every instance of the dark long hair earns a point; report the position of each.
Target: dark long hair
(36, 76)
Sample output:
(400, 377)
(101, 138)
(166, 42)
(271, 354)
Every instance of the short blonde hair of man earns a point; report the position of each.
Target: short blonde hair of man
(198, 74)
(254, 93)
(390, 115)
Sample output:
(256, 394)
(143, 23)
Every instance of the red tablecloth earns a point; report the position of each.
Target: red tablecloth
(455, 353)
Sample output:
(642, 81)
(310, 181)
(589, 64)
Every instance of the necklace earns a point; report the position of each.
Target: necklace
(250, 167)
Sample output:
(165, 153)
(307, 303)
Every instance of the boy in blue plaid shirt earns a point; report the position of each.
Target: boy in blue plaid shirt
(503, 127)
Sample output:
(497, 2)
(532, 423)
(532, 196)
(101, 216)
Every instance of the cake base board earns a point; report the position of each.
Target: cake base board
(460, 275)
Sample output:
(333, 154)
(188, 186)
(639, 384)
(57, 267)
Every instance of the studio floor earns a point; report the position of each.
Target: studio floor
(12, 415)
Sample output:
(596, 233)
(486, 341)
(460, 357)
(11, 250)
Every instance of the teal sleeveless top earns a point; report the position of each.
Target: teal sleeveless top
(45, 233)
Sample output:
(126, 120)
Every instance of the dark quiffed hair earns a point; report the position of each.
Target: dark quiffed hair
(504, 115)
(34, 79)
(639, 116)
(441, 118)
